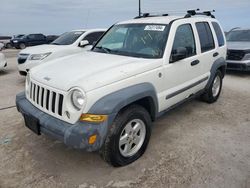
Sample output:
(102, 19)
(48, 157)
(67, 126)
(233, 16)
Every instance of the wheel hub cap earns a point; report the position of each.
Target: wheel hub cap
(216, 86)
(132, 137)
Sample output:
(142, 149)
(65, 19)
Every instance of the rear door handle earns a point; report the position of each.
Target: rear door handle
(215, 54)
(195, 62)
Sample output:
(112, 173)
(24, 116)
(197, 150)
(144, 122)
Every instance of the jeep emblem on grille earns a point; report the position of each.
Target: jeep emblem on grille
(47, 78)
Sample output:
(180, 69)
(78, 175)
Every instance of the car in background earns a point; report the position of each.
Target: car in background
(72, 42)
(5, 40)
(238, 53)
(3, 62)
(29, 40)
(1, 46)
(14, 37)
(51, 38)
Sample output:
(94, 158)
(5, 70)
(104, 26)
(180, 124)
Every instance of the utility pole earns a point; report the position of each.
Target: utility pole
(139, 7)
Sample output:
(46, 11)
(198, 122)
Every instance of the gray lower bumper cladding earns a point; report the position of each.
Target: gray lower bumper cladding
(76, 136)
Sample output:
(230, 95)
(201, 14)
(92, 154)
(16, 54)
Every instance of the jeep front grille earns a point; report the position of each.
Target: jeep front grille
(235, 55)
(48, 100)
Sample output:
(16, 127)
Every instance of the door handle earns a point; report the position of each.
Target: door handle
(215, 54)
(195, 62)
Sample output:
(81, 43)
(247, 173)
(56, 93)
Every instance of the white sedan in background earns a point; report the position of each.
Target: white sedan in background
(69, 43)
(3, 62)
(1, 46)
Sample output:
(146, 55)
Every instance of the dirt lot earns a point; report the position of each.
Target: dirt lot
(195, 145)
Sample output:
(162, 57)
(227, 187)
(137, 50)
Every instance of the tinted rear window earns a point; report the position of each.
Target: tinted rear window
(206, 36)
(219, 34)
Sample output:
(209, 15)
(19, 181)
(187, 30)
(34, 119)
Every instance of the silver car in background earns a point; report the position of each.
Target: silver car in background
(238, 54)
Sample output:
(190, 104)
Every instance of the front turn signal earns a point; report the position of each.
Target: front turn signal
(93, 118)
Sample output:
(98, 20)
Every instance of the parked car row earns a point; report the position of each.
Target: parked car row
(67, 44)
(21, 41)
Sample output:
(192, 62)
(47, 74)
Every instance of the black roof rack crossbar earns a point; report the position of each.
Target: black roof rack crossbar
(191, 13)
(145, 15)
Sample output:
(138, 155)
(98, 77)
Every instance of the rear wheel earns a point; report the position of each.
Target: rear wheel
(214, 90)
(128, 137)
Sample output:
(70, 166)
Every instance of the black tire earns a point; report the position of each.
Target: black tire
(8, 45)
(110, 151)
(21, 46)
(208, 96)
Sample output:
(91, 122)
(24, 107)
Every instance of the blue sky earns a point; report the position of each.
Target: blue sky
(58, 16)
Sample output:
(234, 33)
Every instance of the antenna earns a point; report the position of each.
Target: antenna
(139, 8)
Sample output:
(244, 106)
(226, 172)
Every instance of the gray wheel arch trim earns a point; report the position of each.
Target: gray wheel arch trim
(216, 65)
(114, 102)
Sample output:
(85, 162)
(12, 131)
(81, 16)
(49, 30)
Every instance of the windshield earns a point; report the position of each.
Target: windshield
(68, 38)
(136, 40)
(240, 35)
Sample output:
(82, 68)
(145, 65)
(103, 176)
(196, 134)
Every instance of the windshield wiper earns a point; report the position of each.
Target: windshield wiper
(107, 50)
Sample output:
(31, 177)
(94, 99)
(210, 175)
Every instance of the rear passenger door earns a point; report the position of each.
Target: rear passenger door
(208, 49)
(182, 77)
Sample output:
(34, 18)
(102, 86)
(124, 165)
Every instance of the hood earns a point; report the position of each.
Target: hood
(238, 45)
(43, 49)
(90, 70)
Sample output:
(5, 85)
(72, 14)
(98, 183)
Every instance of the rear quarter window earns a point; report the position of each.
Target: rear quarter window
(219, 34)
(205, 36)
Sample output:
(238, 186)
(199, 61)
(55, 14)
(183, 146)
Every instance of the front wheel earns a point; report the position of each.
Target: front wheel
(128, 137)
(22, 46)
(214, 89)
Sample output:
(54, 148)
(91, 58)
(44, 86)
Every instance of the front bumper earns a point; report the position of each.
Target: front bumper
(238, 65)
(76, 136)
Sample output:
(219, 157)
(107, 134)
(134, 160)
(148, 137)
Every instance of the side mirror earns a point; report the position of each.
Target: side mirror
(83, 43)
(178, 54)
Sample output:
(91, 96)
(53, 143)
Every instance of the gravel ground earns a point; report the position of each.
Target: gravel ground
(195, 145)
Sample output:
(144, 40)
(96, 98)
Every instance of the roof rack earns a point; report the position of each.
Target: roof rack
(145, 15)
(191, 13)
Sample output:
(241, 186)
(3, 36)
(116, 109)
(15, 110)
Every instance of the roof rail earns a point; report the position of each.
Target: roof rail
(191, 13)
(145, 15)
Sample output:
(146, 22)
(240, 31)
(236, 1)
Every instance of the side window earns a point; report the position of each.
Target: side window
(31, 37)
(206, 36)
(92, 37)
(219, 34)
(184, 43)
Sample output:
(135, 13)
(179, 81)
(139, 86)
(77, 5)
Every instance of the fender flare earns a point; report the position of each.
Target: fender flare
(216, 65)
(114, 102)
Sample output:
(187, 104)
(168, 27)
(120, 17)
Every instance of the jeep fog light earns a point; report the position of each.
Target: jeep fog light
(77, 99)
(93, 118)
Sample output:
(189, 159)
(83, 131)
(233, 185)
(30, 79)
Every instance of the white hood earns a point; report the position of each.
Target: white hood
(45, 48)
(90, 70)
(238, 45)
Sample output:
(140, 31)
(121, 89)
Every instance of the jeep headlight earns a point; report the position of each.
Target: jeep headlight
(78, 99)
(39, 56)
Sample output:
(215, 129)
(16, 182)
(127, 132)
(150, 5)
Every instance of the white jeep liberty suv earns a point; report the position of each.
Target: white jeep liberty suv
(106, 99)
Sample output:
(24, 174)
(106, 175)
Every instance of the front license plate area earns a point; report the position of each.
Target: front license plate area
(32, 123)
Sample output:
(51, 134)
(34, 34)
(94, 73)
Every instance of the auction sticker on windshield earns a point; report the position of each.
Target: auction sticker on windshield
(154, 27)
